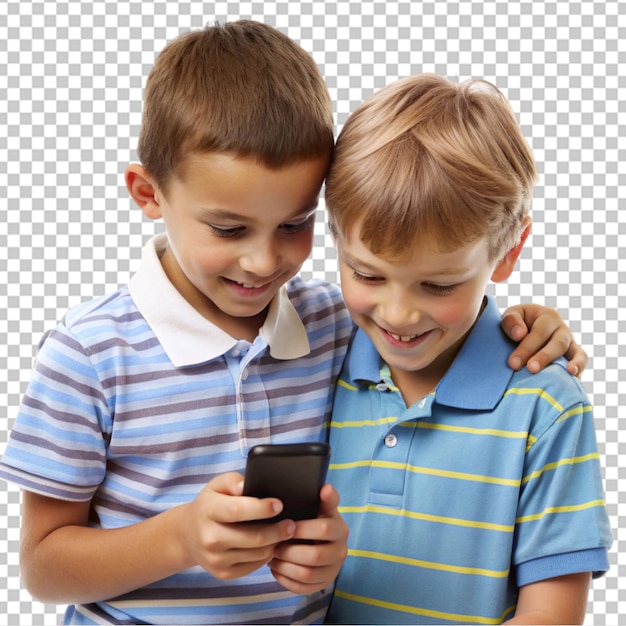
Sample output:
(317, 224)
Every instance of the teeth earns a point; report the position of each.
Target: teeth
(245, 286)
(403, 338)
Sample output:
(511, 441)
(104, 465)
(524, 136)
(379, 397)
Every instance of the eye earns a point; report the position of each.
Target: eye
(365, 278)
(226, 232)
(299, 226)
(440, 290)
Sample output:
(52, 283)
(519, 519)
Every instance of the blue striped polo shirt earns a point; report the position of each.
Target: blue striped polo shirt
(489, 483)
(136, 402)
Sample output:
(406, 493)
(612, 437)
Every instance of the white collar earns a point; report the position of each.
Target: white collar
(187, 337)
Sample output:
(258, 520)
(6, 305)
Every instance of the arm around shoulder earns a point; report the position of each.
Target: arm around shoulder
(543, 337)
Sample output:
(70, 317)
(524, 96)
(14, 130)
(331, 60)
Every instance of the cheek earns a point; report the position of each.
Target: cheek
(204, 259)
(303, 245)
(458, 313)
(452, 316)
(356, 298)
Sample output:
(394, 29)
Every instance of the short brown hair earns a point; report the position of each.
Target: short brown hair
(242, 87)
(426, 156)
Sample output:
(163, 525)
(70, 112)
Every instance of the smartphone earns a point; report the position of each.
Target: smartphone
(293, 473)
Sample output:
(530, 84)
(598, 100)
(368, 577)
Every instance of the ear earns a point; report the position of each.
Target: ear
(507, 264)
(143, 190)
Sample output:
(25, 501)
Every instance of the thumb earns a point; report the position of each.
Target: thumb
(329, 501)
(230, 484)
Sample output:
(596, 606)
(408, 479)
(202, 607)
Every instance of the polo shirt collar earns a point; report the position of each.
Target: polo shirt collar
(478, 376)
(187, 337)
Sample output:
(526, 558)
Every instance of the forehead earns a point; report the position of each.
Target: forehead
(425, 257)
(226, 181)
(196, 167)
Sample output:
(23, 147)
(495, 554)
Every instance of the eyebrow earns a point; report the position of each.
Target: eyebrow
(354, 262)
(453, 271)
(223, 213)
(236, 217)
(446, 271)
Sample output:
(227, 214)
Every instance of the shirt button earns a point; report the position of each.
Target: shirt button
(381, 387)
(244, 375)
(422, 403)
(391, 441)
(235, 352)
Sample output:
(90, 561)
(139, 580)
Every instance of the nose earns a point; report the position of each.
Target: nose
(399, 311)
(261, 259)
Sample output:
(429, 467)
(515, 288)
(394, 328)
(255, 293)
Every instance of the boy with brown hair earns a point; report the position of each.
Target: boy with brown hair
(472, 492)
(132, 436)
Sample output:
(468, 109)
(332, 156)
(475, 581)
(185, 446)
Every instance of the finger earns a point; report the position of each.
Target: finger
(323, 571)
(228, 483)
(259, 509)
(233, 550)
(232, 544)
(301, 580)
(222, 509)
(301, 588)
(226, 570)
(557, 346)
(220, 502)
(322, 530)
(308, 568)
(523, 319)
(577, 359)
(552, 340)
(329, 525)
(310, 554)
(531, 349)
(329, 501)
(513, 324)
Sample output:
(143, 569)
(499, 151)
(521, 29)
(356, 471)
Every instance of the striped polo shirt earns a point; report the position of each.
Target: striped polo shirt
(489, 483)
(137, 401)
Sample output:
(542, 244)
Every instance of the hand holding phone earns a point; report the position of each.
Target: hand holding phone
(293, 473)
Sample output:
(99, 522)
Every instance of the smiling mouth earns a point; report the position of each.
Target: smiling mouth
(407, 339)
(249, 286)
(403, 338)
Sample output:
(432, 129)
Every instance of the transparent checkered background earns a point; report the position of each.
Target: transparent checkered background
(71, 78)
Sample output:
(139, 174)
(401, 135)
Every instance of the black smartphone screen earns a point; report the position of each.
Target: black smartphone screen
(293, 473)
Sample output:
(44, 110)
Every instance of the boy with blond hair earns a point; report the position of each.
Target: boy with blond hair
(472, 492)
(132, 436)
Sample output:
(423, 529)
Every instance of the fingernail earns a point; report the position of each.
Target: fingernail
(516, 362)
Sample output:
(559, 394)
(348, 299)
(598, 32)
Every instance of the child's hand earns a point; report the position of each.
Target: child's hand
(544, 337)
(213, 537)
(307, 568)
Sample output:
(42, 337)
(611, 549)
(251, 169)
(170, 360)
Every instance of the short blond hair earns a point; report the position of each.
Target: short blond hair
(428, 157)
(242, 87)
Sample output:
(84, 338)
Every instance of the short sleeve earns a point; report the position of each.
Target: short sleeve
(561, 515)
(58, 444)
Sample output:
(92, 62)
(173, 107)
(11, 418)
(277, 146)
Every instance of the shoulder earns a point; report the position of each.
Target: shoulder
(549, 398)
(554, 382)
(100, 322)
(111, 306)
(316, 299)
